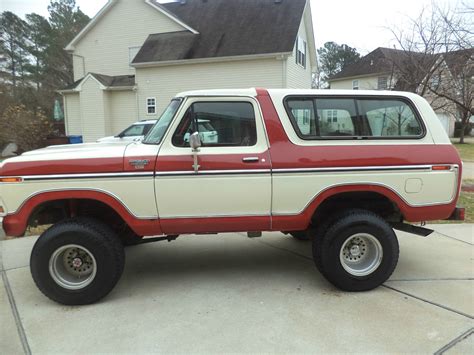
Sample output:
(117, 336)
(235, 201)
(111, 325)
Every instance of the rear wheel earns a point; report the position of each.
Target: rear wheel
(77, 261)
(358, 252)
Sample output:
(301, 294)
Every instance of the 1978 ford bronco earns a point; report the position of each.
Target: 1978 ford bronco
(342, 168)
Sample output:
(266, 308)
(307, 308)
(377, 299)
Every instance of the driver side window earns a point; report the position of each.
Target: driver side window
(220, 124)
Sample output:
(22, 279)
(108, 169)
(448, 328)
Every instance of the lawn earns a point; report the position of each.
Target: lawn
(466, 200)
(466, 151)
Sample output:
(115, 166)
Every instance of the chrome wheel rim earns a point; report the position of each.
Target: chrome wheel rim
(72, 267)
(361, 254)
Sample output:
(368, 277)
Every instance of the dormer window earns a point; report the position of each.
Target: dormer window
(301, 52)
(355, 84)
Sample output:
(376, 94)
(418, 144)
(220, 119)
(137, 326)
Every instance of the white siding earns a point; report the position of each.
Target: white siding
(297, 76)
(128, 23)
(165, 82)
(73, 114)
(78, 66)
(122, 109)
(93, 116)
(365, 83)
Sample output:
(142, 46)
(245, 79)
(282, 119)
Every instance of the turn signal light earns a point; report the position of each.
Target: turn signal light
(441, 167)
(11, 179)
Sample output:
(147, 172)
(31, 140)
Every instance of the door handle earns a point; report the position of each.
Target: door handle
(250, 159)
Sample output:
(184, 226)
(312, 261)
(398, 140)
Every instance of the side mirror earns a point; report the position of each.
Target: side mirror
(195, 141)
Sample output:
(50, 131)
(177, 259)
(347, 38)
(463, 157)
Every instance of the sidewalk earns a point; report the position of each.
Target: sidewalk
(228, 293)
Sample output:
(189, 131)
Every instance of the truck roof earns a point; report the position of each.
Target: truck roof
(285, 92)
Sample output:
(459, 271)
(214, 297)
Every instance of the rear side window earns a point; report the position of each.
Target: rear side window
(220, 124)
(389, 118)
(352, 118)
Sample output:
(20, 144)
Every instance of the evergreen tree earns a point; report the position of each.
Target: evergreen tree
(334, 58)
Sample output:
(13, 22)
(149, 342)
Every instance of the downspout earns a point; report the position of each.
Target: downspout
(284, 76)
(135, 89)
(66, 128)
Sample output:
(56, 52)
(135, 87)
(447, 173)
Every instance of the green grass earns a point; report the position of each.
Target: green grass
(466, 151)
(466, 200)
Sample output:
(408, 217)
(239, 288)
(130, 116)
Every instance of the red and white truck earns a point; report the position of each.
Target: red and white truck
(341, 168)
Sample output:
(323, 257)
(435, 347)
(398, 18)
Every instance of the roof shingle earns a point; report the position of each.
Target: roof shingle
(226, 28)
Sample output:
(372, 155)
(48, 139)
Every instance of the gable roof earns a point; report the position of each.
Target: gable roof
(110, 3)
(226, 29)
(459, 60)
(380, 60)
(107, 81)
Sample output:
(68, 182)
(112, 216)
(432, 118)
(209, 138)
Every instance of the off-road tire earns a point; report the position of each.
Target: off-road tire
(327, 248)
(88, 233)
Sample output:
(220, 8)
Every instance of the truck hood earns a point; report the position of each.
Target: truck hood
(67, 159)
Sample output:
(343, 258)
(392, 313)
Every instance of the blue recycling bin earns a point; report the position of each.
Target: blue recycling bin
(75, 139)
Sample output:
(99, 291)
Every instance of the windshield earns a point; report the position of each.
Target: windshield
(158, 131)
(137, 130)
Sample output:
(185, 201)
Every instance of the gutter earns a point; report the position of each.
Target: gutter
(359, 76)
(277, 56)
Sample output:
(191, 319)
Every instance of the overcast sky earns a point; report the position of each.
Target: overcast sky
(358, 23)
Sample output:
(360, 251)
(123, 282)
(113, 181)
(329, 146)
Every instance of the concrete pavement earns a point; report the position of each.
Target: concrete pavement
(227, 293)
(468, 170)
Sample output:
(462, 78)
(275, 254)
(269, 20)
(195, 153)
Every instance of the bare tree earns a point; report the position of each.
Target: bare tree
(437, 59)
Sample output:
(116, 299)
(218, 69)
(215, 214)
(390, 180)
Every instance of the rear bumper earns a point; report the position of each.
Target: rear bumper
(458, 214)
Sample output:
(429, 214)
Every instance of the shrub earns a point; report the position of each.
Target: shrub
(28, 129)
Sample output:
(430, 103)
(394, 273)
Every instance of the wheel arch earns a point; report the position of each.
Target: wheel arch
(15, 224)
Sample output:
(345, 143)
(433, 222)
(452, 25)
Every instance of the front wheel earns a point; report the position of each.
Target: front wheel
(358, 252)
(77, 261)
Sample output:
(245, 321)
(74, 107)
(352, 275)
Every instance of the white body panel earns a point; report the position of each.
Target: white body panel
(222, 195)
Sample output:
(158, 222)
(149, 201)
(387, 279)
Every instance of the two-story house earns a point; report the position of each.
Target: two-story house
(389, 69)
(135, 55)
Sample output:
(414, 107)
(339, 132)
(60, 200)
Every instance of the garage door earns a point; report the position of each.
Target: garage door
(444, 119)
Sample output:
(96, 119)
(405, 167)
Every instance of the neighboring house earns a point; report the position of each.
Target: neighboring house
(135, 55)
(378, 70)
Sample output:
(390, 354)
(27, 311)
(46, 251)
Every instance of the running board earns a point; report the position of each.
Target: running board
(168, 238)
(409, 228)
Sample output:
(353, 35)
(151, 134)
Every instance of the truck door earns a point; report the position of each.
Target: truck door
(230, 187)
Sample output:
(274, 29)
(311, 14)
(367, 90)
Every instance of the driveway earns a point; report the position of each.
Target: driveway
(228, 293)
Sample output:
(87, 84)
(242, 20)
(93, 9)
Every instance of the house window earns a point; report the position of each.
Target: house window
(435, 81)
(301, 52)
(151, 105)
(355, 84)
(382, 83)
(331, 116)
